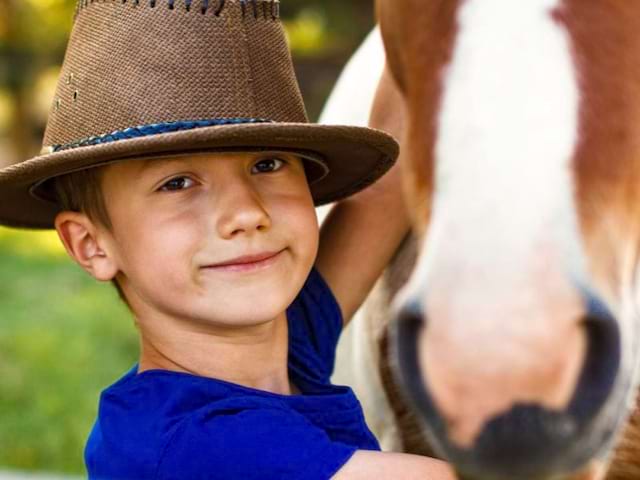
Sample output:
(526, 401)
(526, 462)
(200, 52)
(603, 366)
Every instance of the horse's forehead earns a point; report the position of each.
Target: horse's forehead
(420, 37)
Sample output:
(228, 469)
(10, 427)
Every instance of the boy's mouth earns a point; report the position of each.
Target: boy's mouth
(247, 262)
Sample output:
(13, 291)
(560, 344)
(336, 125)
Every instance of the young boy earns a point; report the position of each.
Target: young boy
(199, 206)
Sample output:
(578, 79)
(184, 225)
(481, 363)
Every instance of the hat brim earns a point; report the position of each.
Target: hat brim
(355, 157)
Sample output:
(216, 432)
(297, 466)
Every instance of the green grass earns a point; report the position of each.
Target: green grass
(63, 338)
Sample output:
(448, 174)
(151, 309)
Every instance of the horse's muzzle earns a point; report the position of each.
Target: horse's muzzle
(528, 442)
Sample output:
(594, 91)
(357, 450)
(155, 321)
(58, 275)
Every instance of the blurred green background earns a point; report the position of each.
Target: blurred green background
(63, 336)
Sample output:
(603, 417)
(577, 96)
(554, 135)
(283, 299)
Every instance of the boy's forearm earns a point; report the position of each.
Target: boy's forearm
(382, 205)
(381, 211)
(359, 237)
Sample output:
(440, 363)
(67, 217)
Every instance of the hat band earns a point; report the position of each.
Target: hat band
(150, 129)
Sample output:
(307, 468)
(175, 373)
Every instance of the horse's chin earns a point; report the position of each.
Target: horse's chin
(486, 461)
(596, 470)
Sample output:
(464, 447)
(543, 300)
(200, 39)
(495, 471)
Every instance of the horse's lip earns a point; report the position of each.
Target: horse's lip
(244, 259)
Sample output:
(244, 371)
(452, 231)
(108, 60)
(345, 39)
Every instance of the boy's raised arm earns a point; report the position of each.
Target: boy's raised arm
(360, 234)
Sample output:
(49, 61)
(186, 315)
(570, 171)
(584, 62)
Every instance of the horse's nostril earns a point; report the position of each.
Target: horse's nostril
(405, 332)
(411, 312)
(531, 437)
(601, 363)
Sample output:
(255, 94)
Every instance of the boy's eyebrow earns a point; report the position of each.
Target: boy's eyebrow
(150, 163)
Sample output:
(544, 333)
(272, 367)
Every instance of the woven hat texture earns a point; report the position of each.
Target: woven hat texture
(144, 78)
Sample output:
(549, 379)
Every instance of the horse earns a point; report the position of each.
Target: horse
(510, 311)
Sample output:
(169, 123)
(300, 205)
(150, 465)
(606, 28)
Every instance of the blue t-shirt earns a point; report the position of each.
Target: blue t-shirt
(166, 425)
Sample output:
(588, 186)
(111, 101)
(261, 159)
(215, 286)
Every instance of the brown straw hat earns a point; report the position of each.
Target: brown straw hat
(146, 78)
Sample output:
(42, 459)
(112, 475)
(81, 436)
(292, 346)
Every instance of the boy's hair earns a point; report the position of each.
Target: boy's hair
(81, 192)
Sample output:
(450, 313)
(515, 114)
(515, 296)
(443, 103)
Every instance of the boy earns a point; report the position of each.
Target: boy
(199, 206)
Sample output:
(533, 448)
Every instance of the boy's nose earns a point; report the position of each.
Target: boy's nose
(241, 210)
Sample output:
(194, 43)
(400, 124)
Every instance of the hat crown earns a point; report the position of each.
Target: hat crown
(141, 62)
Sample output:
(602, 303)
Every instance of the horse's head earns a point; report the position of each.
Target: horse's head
(518, 331)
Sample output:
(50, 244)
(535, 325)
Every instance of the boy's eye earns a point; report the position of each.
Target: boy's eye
(178, 183)
(267, 165)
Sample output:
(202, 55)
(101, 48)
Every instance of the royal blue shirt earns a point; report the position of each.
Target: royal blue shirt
(164, 425)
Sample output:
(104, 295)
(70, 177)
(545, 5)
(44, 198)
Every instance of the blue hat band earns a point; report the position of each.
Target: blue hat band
(152, 129)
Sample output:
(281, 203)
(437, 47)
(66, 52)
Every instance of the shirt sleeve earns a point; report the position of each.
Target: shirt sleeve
(263, 444)
(315, 326)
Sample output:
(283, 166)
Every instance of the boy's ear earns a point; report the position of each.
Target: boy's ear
(83, 243)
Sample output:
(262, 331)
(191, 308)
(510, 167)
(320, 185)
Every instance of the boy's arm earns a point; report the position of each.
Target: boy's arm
(360, 234)
(366, 464)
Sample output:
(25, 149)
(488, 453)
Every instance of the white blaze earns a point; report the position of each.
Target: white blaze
(507, 132)
(503, 245)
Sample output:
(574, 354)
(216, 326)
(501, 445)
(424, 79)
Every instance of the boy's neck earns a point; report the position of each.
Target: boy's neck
(254, 357)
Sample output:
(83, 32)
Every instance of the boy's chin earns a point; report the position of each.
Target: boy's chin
(248, 314)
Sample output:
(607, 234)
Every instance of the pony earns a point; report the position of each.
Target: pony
(509, 315)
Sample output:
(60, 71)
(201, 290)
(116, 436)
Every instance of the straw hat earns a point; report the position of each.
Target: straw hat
(143, 78)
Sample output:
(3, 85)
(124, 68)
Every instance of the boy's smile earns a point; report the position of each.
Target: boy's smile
(175, 219)
(247, 263)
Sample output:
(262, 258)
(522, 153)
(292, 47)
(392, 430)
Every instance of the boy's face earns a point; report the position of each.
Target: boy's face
(175, 218)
